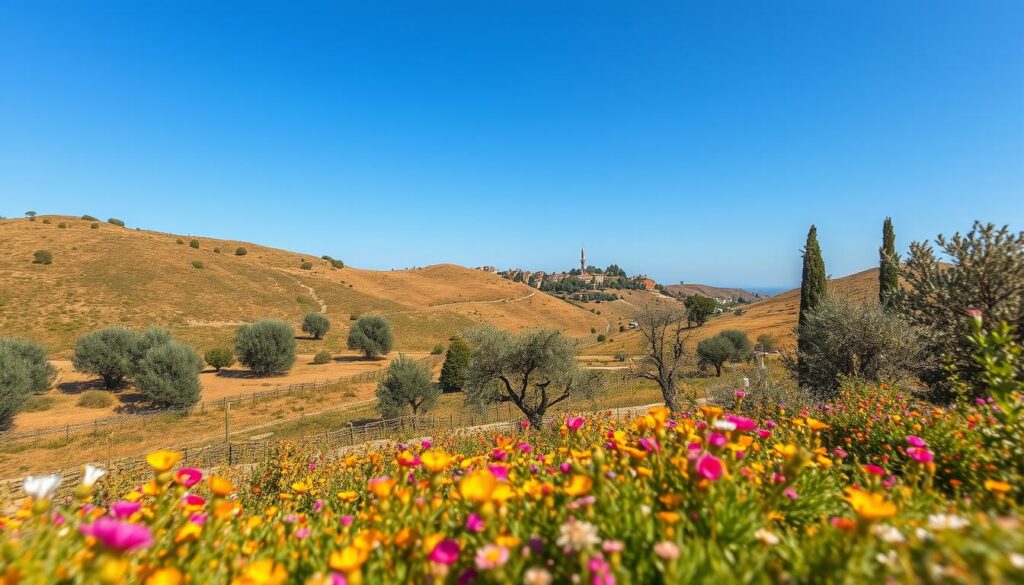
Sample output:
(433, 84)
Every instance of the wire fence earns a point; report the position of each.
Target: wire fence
(129, 419)
(500, 417)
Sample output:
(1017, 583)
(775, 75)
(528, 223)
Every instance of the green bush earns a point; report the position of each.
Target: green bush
(337, 263)
(740, 341)
(180, 242)
(240, 251)
(33, 355)
(437, 350)
(371, 335)
(105, 353)
(15, 385)
(216, 250)
(219, 357)
(194, 244)
(115, 221)
(94, 225)
(169, 375)
(322, 357)
(306, 266)
(38, 403)
(766, 342)
(42, 257)
(47, 222)
(89, 218)
(316, 324)
(95, 399)
(62, 225)
(197, 264)
(409, 383)
(266, 346)
(456, 364)
(601, 338)
(715, 351)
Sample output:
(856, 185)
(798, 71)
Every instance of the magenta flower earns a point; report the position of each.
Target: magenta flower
(650, 444)
(920, 454)
(874, 470)
(474, 523)
(347, 520)
(426, 444)
(500, 472)
(574, 423)
(188, 476)
(446, 552)
(740, 394)
(338, 579)
(302, 532)
(742, 423)
(124, 508)
(118, 536)
(915, 441)
(790, 493)
(717, 440)
(709, 467)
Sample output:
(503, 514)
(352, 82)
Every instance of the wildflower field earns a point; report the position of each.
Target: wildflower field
(872, 485)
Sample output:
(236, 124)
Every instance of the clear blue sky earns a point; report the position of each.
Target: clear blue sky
(691, 141)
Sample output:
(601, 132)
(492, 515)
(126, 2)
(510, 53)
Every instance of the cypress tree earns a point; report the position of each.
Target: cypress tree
(456, 364)
(888, 266)
(813, 288)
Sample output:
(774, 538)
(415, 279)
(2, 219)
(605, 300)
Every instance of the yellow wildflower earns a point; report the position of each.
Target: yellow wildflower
(163, 460)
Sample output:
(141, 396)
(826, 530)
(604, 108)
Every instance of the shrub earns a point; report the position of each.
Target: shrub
(306, 266)
(371, 335)
(316, 324)
(240, 251)
(266, 346)
(438, 349)
(194, 244)
(95, 399)
(89, 218)
(105, 353)
(740, 341)
(47, 222)
(593, 330)
(601, 338)
(15, 385)
(699, 309)
(38, 403)
(456, 364)
(42, 257)
(409, 383)
(337, 263)
(94, 225)
(62, 225)
(322, 357)
(115, 221)
(180, 242)
(715, 351)
(622, 328)
(219, 357)
(33, 355)
(169, 375)
(766, 342)
(216, 250)
(197, 264)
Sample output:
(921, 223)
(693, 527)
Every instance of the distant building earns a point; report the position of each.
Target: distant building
(644, 282)
(487, 268)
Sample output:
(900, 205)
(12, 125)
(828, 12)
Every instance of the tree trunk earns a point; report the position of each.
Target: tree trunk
(671, 396)
(536, 419)
(718, 370)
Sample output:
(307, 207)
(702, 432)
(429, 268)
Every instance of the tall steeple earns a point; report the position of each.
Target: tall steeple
(583, 260)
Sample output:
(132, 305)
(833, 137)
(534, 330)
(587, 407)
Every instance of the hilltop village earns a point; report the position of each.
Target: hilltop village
(585, 277)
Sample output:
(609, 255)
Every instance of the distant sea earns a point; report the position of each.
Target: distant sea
(768, 290)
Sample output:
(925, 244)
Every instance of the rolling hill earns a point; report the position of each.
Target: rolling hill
(711, 291)
(775, 316)
(112, 275)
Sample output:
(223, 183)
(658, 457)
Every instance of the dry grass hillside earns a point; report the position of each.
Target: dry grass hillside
(776, 316)
(711, 291)
(121, 276)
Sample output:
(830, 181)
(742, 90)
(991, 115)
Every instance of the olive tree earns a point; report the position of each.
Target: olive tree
(219, 357)
(15, 385)
(715, 351)
(408, 383)
(664, 331)
(371, 335)
(168, 375)
(266, 346)
(699, 309)
(316, 324)
(106, 353)
(33, 354)
(535, 370)
(143, 342)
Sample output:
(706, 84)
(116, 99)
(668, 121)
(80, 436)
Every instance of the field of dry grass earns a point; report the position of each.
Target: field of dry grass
(122, 276)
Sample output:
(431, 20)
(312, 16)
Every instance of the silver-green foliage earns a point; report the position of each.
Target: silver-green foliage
(266, 346)
(168, 375)
(408, 385)
(371, 335)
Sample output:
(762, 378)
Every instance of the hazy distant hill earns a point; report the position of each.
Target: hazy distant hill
(711, 291)
(121, 276)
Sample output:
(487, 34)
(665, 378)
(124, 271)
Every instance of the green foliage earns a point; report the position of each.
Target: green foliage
(888, 267)
(438, 349)
(334, 261)
(535, 370)
(408, 384)
(197, 264)
(168, 376)
(593, 330)
(699, 309)
(95, 399)
(371, 335)
(94, 226)
(306, 266)
(38, 403)
(715, 351)
(219, 357)
(194, 244)
(33, 354)
(316, 324)
(216, 250)
(813, 288)
(322, 357)
(115, 221)
(601, 338)
(89, 218)
(842, 339)
(240, 251)
(42, 257)
(106, 353)
(15, 385)
(31, 215)
(766, 342)
(266, 346)
(740, 341)
(46, 221)
(456, 364)
(983, 270)
(62, 225)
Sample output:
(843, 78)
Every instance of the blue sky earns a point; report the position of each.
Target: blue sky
(691, 141)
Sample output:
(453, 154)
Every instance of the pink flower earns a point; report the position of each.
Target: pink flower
(500, 472)
(446, 552)
(743, 424)
(491, 556)
(474, 523)
(740, 394)
(188, 476)
(116, 535)
(600, 572)
(564, 467)
(974, 314)
(764, 433)
(650, 444)
(790, 493)
(574, 423)
(667, 550)
(338, 579)
(347, 520)
(915, 441)
(302, 532)
(524, 424)
(525, 447)
(874, 470)
(920, 454)
(709, 467)
(717, 440)
(124, 508)
(426, 444)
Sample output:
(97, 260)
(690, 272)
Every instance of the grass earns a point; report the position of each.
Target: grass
(95, 399)
(38, 403)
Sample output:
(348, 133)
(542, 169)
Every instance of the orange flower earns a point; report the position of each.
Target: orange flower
(220, 486)
(579, 485)
(382, 486)
(868, 505)
(348, 496)
(436, 461)
(165, 576)
(478, 486)
(1000, 487)
(162, 460)
(348, 559)
(262, 572)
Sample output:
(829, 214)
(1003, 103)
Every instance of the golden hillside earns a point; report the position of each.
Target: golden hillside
(122, 276)
(776, 316)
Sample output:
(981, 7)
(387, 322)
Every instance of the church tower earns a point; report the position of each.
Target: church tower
(583, 260)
